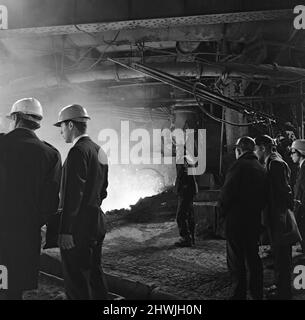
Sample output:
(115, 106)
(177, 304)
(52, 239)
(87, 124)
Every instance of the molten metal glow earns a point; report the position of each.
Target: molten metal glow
(127, 186)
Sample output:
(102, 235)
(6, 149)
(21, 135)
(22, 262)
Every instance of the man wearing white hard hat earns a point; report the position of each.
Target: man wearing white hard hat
(30, 173)
(298, 157)
(82, 228)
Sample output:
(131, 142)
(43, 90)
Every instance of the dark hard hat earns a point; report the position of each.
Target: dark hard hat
(265, 140)
(245, 143)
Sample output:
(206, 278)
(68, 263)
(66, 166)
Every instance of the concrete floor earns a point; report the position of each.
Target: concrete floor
(139, 246)
(144, 252)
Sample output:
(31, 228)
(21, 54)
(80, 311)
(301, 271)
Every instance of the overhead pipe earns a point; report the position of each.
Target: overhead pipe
(182, 69)
(109, 73)
(202, 92)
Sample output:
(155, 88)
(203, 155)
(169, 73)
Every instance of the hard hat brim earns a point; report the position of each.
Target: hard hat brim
(83, 119)
(28, 116)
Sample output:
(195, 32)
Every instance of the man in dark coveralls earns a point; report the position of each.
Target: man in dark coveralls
(242, 199)
(82, 228)
(280, 199)
(186, 188)
(30, 171)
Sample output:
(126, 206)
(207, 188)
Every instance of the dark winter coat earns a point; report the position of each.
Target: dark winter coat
(280, 197)
(299, 190)
(243, 196)
(30, 172)
(84, 186)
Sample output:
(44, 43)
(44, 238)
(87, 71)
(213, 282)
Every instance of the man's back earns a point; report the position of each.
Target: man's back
(97, 176)
(85, 181)
(280, 193)
(243, 195)
(29, 185)
(242, 198)
(280, 196)
(30, 177)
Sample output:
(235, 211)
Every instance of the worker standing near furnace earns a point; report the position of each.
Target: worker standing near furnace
(30, 172)
(82, 228)
(186, 189)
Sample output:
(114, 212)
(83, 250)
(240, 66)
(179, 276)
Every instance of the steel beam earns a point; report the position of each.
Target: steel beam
(159, 23)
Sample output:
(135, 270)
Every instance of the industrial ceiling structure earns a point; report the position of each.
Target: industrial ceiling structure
(248, 50)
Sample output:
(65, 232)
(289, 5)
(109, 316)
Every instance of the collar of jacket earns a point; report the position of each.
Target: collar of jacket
(79, 137)
(248, 155)
(22, 132)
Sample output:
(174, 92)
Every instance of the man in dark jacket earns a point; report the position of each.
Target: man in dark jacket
(280, 199)
(298, 157)
(186, 188)
(242, 199)
(30, 172)
(82, 229)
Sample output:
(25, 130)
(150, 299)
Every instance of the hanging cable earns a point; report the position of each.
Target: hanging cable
(202, 108)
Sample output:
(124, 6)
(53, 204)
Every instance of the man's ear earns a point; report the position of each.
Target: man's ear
(237, 152)
(71, 125)
(14, 118)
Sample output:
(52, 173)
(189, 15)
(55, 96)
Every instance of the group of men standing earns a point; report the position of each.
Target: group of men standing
(257, 196)
(34, 186)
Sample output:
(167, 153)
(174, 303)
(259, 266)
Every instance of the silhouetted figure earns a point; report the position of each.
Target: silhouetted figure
(242, 198)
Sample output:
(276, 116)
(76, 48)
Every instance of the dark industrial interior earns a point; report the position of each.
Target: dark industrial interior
(232, 67)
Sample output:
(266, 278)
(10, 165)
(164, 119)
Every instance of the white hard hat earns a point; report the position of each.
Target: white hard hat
(30, 108)
(299, 145)
(73, 112)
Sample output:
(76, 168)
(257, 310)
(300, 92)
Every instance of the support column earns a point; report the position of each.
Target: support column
(234, 89)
